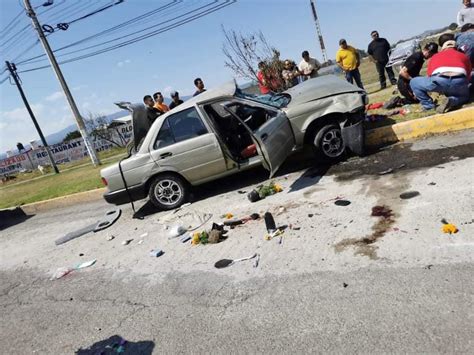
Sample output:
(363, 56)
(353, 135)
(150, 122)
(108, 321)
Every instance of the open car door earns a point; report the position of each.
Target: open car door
(274, 139)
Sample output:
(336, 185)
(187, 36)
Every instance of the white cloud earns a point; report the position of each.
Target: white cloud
(122, 63)
(55, 96)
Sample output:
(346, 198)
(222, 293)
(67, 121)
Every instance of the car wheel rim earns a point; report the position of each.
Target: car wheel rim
(168, 192)
(332, 144)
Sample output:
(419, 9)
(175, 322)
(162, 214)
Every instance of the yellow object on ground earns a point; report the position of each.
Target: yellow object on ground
(449, 228)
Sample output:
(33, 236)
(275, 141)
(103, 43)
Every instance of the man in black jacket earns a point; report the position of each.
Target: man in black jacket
(411, 68)
(378, 51)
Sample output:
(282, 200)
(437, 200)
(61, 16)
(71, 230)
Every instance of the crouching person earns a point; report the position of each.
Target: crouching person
(411, 69)
(449, 73)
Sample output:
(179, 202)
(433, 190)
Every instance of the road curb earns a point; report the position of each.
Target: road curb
(58, 202)
(442, 123)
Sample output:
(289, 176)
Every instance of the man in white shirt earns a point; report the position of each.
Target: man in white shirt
(466, 14)
(308, 67)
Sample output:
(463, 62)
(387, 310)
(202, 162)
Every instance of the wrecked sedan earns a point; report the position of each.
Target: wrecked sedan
(224, 131)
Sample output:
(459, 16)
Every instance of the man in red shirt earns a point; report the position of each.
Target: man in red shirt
(449, 73)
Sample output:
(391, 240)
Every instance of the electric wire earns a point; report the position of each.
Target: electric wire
(108, 31)
(141, 38)
(122, 37)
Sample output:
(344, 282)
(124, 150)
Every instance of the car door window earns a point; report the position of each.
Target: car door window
(179, 127)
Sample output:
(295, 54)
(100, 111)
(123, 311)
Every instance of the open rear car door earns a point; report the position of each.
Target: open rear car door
(274, 139)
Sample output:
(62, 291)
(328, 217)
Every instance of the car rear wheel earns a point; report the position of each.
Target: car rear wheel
(328, 143)
(168, 191)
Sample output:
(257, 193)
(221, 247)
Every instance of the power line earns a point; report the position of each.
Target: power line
(11, 24)
(125, 36)
(107, 31)
(141, 38)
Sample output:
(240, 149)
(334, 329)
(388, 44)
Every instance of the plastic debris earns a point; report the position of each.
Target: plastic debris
(63, 271)
(409, 194)
(176, 231)
(269, 222)
(156, 253)
(200, 238)
(342, 202)
(274, 234)
(185, 237)
(263, 191)
(110, 237)
(448, 228)
(127, 242)
(227, 215)
(228, 262)
(144, 235)
(140, 241)
(257, 261)
(391, 170)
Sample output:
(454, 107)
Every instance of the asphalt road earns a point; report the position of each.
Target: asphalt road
(341, 280)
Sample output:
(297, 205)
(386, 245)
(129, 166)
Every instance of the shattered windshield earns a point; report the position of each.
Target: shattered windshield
(275, 100)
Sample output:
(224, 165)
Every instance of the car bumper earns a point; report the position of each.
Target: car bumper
(121, 197)
(353, 133)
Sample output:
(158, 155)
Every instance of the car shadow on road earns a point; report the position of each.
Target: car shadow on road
(240, 182)
(12, 217)
(117, 345)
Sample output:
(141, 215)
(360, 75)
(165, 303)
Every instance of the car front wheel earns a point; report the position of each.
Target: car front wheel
(328, 143)
(168, 191)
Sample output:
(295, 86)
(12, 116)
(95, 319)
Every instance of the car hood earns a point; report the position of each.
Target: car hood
(318, 88)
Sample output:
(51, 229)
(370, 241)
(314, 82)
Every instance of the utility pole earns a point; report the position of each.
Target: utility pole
(318, 29)
(80, 122)
(11, 67)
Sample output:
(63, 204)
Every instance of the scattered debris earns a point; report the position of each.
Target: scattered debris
(391, 170)
(242, 192)
(345, 285)
(185, 217)
(409, 194)
(140, 241)
(295, 228)
(263, 191)
(127, 242)
(428, 267)
(81, 254)
(62, 271)
(109, 219)
(200, 238)
(110, 237)
(375, 118)
(375, 106)
(227, 216)
(257, 261)
(448, 228)
(176, 231)
(156, 252)
(396, 229)
(342, 202)
(215, 236)
(184, 238)
(432, 184)
(144, 235)
(228, 262)
(310, 215)
(269, 222)
(281, 210)
(274, 234)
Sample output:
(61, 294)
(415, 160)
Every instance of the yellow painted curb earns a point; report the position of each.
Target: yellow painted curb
(63, 201)
(448, 122)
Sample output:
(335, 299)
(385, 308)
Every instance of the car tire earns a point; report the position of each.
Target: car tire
(328, 144)
(168, 191)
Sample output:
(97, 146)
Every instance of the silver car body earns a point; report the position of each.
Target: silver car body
(205, 157)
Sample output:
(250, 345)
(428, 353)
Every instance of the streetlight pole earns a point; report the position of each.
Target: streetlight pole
(80, 122)
(33, 118)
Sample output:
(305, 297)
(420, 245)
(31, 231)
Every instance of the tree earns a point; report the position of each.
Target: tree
(98, 127)
(72, 135)
(245, 52)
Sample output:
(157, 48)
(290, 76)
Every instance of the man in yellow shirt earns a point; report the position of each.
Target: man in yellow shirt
(348, 59)
(159, 104)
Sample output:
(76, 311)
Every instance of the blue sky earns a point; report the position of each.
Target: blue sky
(171, 60)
